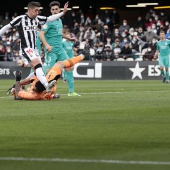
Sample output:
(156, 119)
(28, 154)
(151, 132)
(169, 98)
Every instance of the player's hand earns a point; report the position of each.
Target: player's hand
(65, 7)
(73, 39)
(9, 91)
(155, 56)
(49, 48)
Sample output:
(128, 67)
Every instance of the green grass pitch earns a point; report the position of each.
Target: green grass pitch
(112, 120)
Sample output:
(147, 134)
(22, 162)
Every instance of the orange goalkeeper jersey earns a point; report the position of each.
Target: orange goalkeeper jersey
(32, 95)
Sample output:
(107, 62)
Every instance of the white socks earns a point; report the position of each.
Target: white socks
(40, 75)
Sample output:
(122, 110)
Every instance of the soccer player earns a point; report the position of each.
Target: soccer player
(31, 94)
(51, 36)
(68, 75)
(27, 25)
(37, 90)
(163, 53)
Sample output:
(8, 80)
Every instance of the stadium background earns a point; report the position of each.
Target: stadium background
(120, 5)
(87, 6)
(121, 125)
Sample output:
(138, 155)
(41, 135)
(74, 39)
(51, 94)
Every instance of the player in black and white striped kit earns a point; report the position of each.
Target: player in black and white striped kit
(27, 26)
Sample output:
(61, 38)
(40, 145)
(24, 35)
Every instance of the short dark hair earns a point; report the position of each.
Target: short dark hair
(39, 87)
(33, 4)
(162, 31)
(54, 3)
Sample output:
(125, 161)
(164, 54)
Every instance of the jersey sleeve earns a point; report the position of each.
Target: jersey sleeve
(46, 27)
(42, 19)
(16, 21)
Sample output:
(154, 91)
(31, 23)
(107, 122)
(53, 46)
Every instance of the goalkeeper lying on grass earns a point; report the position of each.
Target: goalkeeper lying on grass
(37, 90)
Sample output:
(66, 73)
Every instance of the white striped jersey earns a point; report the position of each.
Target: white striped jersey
(27, 28)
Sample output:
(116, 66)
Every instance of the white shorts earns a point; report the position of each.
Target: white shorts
(30, 54)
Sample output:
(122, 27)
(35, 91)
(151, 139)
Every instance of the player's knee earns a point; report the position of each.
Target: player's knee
(38, 66)
(34, 62)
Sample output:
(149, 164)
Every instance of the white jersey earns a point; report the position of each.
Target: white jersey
(27, 28)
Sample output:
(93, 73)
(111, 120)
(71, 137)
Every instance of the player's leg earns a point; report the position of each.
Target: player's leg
(167, 75)
(68, 74)
(56, 70)
(163, 74)
(70, 81)
(52, 73)
(24, 63)
(161, 64)
(64, 76)
(30, 55)
(166, 63)
(52, 76)
(72, 61)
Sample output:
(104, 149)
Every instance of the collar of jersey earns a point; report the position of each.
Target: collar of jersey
(29, 17)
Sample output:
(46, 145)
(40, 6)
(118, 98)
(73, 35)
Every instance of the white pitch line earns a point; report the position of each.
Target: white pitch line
(99, 93)
(83, 161)
(118, 92)
(2, 97)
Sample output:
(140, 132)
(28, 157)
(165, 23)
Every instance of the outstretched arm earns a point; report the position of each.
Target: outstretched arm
(56, 16)
(25, 81)
(68, 37)
(4, 29)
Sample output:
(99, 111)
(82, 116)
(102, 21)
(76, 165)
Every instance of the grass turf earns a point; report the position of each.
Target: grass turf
(112, 120)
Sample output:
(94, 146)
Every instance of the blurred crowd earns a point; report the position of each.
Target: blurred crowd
(109, 37)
